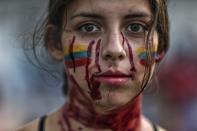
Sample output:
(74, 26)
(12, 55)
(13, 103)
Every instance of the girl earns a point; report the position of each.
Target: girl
(110, 49)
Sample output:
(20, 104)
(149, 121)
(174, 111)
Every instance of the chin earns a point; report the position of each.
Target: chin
(112, 100)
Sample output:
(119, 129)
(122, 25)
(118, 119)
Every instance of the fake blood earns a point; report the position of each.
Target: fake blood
(94, 90)
(92, 85)
(88, 63)
(131, 57)
(97, 55)
(71, 53)
(126, 118)
(123, 39)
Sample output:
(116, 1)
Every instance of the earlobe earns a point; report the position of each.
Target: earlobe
(53, 42)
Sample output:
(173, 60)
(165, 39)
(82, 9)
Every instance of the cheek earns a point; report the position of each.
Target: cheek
(76, 55)
(142, 55)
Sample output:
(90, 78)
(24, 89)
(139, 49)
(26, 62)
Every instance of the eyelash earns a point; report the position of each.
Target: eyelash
(142, 27)
(83, 28)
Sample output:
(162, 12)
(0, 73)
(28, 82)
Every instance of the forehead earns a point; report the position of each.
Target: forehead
(109, 7)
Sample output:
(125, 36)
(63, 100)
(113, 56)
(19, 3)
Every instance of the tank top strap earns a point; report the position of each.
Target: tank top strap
(41, 125)
(155, 128)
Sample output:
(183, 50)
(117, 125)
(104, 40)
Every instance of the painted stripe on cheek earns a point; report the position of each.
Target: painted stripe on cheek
(77, 55)
(142, 54)
(79, 62)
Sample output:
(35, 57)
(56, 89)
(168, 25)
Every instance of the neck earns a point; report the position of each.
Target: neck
(126, 118)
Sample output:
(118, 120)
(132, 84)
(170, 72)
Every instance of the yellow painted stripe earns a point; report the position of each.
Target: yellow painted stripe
(143, 49)
(76, 48)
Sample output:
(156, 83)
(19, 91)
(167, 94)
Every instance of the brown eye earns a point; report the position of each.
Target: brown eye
(89, 28)
(136, 28)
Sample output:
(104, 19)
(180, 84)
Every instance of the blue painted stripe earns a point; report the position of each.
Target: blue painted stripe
(143, 56)
(77, 55)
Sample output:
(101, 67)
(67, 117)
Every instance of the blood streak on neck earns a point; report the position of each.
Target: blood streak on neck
(126, 118)
(71, 52)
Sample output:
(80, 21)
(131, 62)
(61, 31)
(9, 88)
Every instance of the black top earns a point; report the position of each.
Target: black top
(154, 127)
(42, 123)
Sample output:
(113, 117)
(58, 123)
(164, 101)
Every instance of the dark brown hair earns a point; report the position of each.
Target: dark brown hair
(57, 10)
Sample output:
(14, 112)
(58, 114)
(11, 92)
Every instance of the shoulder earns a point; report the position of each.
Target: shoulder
(32, 126)
(161, 129)
(50, 123)
(148, 125)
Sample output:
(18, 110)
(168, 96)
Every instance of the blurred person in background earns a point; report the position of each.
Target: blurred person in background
(110, 51)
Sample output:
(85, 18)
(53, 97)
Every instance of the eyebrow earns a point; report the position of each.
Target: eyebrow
(87, 15)
(138, 14)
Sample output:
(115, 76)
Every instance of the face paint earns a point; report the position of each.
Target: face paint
(126, 118)
(80, 55)
(143, 55)
(75, 55)
(133, 69)
(97, 55)
(71, 52)
(131, 57)
(123, 39)
(93, 86)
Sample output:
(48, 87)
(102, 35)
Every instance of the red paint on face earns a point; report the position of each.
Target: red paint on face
(71, 52)
(88, 63)
(123, 39)
(133, 69)
(93, 85)
(126, 118)
(94, 89)
(97, 55)
(80, 62)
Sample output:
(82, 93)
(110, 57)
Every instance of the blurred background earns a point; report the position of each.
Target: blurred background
(27, 92)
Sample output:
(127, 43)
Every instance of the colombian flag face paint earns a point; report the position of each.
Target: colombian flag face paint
(143, 54)
(77, 56)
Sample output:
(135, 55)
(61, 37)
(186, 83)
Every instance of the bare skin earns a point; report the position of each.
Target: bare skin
(101, 41)
(52, 120)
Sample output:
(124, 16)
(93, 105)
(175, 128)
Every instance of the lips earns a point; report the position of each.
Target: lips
(112, 78)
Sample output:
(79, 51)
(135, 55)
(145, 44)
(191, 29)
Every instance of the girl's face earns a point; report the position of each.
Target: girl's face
(105, 49)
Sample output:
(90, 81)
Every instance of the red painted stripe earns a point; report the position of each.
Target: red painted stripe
(79, 62)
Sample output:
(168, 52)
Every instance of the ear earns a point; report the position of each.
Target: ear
(160, 54)
(159, 57)
(53, 42)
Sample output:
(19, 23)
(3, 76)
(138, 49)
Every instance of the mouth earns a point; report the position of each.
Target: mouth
(116, 78)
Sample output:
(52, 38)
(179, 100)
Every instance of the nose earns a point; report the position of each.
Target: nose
(113, 49)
